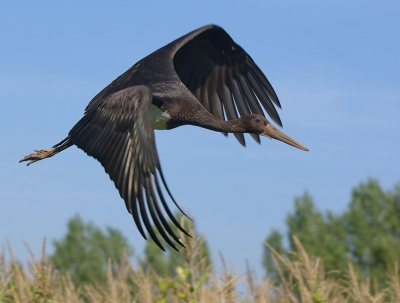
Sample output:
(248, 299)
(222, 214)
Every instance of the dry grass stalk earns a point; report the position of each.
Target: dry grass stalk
(264, 292)
(304, 280)
(361, 291)
(394, 283)
(301, 280)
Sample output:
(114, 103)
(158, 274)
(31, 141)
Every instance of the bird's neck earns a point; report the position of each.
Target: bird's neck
(209, 121)
(195, 114)
(230, 126)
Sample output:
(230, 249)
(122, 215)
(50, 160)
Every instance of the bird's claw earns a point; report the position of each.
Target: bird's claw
(37, 156)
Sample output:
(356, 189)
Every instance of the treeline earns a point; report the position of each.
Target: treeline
(323, 257)
(367, 233)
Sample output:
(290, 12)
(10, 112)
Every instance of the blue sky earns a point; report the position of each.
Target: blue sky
(335, 66)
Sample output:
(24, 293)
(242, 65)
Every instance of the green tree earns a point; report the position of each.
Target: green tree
(367, 233)
(85, 250)
(165, 263)
(373, 227)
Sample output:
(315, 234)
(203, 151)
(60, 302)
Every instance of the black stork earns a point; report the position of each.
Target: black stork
(204, 79)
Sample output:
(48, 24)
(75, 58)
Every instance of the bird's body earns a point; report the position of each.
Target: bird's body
(203, 79)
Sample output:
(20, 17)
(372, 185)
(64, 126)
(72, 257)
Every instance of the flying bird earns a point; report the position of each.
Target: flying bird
(203, 79)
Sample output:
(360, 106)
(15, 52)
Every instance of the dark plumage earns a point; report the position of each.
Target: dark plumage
(203, 79)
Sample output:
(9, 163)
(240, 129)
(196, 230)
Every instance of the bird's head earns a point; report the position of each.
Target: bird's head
(260, 125)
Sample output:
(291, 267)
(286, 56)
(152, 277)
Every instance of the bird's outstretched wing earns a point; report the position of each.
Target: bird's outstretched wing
(119, 134)
(223, 77)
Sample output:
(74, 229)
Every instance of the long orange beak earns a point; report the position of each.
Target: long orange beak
(273, 132)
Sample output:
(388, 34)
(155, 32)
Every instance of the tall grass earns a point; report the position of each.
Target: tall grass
(301, 280)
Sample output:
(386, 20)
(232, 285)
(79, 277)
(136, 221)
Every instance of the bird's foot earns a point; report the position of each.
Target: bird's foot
(38, 155)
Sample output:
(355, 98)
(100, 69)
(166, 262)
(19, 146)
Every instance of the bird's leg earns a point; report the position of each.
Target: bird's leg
(39, 155)
(47, 153)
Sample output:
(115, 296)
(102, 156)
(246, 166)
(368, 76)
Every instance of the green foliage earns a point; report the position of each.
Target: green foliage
(85, 250)
(367, 233)
(373, 226)
(320, 235)
(177, 287)
(166, 263)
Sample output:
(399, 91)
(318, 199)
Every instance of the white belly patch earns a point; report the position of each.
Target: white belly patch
(159, 118)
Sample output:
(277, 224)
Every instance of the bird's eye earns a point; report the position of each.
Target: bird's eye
(258, 120)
